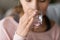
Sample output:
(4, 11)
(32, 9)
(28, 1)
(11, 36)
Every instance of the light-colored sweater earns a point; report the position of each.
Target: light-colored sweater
(8, 28)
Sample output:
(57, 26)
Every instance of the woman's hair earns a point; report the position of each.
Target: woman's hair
(18, 9)
(15, 12)
(48, 23)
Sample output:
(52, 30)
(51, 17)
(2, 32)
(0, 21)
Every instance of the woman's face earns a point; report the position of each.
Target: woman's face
(35, 4)
(39, 5)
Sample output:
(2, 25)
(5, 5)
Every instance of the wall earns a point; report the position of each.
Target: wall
(7, 3)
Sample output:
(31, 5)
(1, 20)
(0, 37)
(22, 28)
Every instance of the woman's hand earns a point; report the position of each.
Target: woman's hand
(25, 22)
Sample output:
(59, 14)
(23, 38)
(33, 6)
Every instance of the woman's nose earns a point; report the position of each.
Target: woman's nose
(35, 4)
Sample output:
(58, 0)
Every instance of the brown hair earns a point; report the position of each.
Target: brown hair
(18, 9)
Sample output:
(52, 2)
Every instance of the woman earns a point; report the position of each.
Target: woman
(29, 27)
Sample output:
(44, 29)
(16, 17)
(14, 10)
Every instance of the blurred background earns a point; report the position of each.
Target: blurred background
(53, 11)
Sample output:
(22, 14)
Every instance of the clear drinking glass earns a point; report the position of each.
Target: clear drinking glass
(37, 21)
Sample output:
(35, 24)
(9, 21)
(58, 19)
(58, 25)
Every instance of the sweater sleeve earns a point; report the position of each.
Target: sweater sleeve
(17, 37)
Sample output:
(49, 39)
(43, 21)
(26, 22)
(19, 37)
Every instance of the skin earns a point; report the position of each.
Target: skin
(30, 10)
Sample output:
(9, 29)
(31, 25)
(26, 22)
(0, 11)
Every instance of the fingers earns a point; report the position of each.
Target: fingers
(24, 24)
(27, 15)
(30, 12)
(27, 27)
(27, 20)
(29, 24)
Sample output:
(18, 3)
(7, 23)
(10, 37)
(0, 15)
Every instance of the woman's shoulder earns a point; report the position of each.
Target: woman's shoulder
(9, 22)
(3, 31)
(9, 26)
(54, 24)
